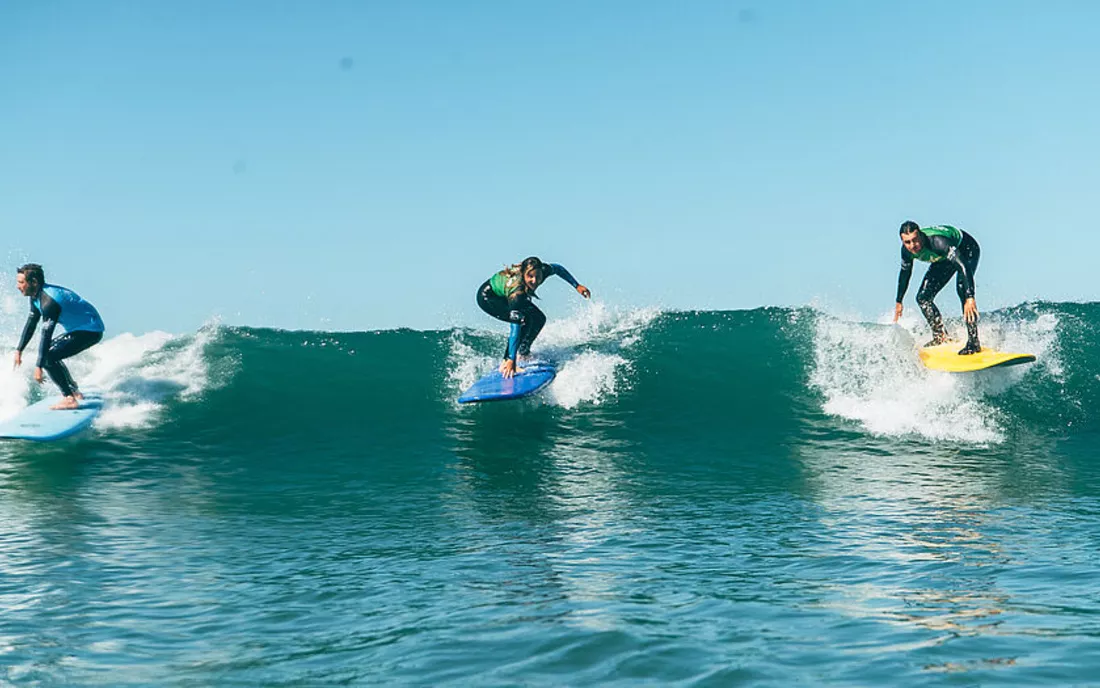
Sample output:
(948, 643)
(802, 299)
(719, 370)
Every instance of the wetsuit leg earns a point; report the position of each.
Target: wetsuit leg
(934, 280)
(969, 253)
(496, 306)
(533, 320)
(65, 346)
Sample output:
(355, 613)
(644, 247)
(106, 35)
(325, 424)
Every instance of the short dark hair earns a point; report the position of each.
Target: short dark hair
(908, 227)
(33, 272)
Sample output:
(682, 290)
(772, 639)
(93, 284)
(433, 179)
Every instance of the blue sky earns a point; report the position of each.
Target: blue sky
(360, 165)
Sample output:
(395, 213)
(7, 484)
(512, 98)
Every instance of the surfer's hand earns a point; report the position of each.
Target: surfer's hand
(38, 375)
(18, 360)
(970, 310)
(583, 291)
(897, 312)
(508, 368)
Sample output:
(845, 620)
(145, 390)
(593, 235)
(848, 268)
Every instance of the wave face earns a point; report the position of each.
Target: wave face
(680, 376)
(698, 497)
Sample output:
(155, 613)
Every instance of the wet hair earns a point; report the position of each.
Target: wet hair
(908, 227)
(32, 272)
(531, 262)
(521, 271)
(515, 272)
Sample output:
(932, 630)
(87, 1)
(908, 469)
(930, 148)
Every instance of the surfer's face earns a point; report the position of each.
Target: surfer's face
(532, 278)
(912, 242)
(25, 288)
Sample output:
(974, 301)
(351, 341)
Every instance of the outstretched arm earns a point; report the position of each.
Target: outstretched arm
(560, 271)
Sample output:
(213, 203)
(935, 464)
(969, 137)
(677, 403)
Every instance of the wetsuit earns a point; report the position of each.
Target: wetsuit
(503, 297)
(950, 251)
(81, 322)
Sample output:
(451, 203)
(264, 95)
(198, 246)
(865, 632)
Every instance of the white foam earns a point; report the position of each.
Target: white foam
(11, 305)
(465, 365)
(15, 386)
(140, 373)
(136, 374)
(586, 346)
(871, 374)
(587, 377)
(596, 322)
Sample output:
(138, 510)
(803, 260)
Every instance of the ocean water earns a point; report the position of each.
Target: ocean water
(766, 497)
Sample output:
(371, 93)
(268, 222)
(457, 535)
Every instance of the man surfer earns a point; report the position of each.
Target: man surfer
(507, 296)
(950, 251)
(57, 305)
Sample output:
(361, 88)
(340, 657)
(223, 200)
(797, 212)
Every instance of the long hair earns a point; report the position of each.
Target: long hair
(516, 272)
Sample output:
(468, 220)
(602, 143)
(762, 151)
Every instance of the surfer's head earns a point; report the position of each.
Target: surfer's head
(29, 279)
(533, 273)
(911, 237)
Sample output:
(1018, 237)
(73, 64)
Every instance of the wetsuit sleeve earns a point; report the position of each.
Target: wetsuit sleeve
(29, 328)
(51, 313)
(517, 303)
(513, 341)
(561, 272)
(951, 254)
(905, 274)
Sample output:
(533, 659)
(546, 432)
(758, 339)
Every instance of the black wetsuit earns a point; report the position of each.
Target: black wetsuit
(960, 261)
(519, 310)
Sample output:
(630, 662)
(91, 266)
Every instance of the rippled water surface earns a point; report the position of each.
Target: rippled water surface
(266, 508)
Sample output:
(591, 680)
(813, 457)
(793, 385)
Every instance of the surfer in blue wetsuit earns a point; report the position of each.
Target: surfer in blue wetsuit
(508, 296)
(56, 306)
(951, 251)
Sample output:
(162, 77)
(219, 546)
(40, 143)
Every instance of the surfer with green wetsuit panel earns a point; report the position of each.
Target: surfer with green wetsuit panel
(508, 295)
(950, 251)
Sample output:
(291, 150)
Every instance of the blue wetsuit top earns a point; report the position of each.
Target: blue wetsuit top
(513, 336)
(59, 306)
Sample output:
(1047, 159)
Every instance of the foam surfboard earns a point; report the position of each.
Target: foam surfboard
(946, 357)
(495, 387)
(39, 423)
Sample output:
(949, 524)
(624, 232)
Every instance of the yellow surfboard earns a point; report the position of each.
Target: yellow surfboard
(946, 357)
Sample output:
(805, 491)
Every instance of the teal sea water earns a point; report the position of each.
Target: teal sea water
(767, 497)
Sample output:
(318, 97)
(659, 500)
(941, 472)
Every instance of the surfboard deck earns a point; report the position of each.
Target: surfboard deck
(39, 423)
(946, 357)
(494, 386)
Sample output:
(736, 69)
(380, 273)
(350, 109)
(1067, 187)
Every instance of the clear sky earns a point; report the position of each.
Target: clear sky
(361, 165)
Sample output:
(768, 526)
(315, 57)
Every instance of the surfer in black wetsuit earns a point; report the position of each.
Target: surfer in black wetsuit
(950, 251)
(508, 295)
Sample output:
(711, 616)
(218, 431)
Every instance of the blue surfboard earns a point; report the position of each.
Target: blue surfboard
(494, 386)
(40, 423)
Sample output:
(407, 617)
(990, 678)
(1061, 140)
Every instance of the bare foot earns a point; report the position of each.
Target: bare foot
(67, 404)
